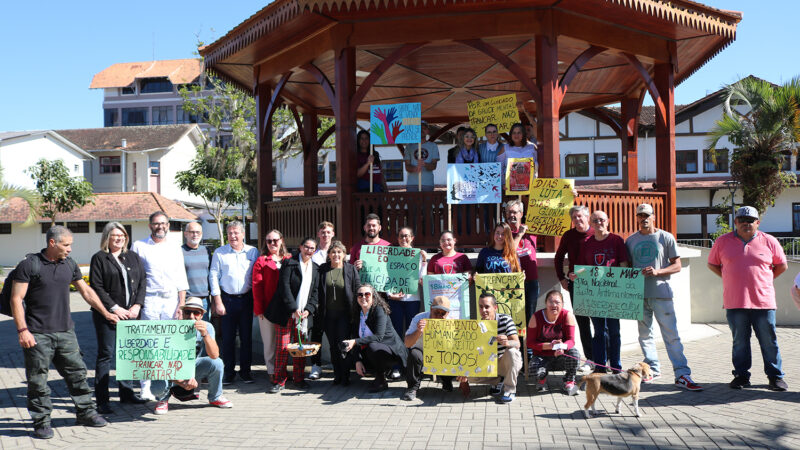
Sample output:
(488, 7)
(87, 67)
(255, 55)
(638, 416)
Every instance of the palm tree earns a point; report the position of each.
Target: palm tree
(31, 197)
(761, 136)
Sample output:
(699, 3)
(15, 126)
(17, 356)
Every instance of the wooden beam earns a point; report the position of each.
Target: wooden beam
(325, 135)
(378, 71)
(649, 84)
(310, 155)
(274, 100)
(547, 129)
(262, 93)
(665, 142)
(509, 64)
(345, 75)
(323, 81)
(438, 133)
(576, 66)
(631, 108)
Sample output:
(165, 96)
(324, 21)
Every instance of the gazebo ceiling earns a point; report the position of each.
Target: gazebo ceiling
(444, 73)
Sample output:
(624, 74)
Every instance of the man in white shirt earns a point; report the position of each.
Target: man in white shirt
(325, 233)
(230, 282)
(166, 277)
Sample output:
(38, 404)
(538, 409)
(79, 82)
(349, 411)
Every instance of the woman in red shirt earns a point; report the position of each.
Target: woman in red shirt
(449, 261)
(265, 282)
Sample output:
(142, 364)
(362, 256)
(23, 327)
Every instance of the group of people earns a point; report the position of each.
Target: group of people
(421, 160)
(318, 293)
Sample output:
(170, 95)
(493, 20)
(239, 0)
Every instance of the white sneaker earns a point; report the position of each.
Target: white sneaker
(162, 407)
(316, 371)
(147, 395)
(587, 367)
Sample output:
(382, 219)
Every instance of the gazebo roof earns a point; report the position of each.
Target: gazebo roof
(447, 72)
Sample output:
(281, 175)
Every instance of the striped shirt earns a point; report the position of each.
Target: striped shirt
(505, 326)
(196, 261)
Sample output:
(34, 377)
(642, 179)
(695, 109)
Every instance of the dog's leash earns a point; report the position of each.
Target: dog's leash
(593, 363)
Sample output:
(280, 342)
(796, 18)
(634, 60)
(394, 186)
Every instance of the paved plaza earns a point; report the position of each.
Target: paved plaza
(334, 417)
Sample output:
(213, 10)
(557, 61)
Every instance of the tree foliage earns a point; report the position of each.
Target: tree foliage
(762, 122)
(60, 193)
(32, 198)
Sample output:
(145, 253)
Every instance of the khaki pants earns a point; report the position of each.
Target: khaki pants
(508, 368)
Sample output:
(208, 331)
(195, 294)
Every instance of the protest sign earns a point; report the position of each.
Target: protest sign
(155, 349)
(509, 290)
(460, 347)
(613, 292)
(453, 286)
(395, 124)
(548, 206)
(474, 183)
(390, 269)
(500, 110)
(520, 172)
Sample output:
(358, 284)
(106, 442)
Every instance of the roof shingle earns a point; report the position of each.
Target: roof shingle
(138, 138)
(179, 71)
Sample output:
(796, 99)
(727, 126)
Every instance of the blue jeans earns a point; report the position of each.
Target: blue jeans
(238, 317)
(664, 310)
(402, 313)
(741, 321)
(204, 367)
(606, 329)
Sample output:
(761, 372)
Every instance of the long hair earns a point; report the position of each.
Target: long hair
(377, 300)
(111, 226)
(524, 135)
(358, 139)
(460, 141)
(509, 250)
(281, 249)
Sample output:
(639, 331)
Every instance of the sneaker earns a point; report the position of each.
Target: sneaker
(777, 384)
(95, 421)
(587, 367)
(246, 377)
(541, 385)
(316, 371)
(685, 382)
(161, 407)
(653, 377)
(228, 379)
(395, 375)
(571, 388)
(222, 402)
(740, 382)
(44, 431)
(508, 398)
(447, 384)
(409, 395)
(497, 390)
(276, 388)
(147, 395)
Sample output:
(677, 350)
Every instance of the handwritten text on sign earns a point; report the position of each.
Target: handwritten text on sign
(390, 269)
(509, 291)
(453, 286)
(155, 349)
(395, 124)
(501, 111)
(548, 206)
(460, 347)
(613, 292)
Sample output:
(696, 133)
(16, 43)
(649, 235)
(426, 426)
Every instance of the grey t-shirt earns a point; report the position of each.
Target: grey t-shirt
(655, 249)
(430, 153)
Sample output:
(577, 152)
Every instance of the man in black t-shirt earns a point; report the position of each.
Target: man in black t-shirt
(47, 333)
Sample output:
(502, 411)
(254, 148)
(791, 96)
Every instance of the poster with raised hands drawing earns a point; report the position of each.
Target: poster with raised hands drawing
(453, 286)
(519, 174)
(474, 183)
(395, 124)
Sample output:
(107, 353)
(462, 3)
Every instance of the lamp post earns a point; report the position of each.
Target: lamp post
(732, 186)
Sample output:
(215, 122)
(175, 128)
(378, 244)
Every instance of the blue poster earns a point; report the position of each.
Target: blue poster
(474, 183)
(395, 124)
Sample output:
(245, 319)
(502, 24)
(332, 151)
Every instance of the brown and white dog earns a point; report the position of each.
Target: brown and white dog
(620, 385)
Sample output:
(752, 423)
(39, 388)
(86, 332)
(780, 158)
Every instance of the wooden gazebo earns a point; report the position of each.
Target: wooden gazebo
(337, 57)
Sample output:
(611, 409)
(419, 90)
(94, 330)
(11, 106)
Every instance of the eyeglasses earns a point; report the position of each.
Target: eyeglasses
(116, 236)
(190, 312)
(746, 219)
(159, 224)
(309, 248)
(405, 236)
(194, 232)
(364, 294)
(599, 220)
(273, 241)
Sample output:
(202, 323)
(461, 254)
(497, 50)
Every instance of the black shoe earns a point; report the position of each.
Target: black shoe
(302, 385)
(44, 431)
(228, 379)
(95, 421)
(337, 380)
(275, 388)
(104, 408)
(777, 384)
(379, 385)
(740, 382)
(346, 380)
(409, 395)
(133, 398)
(246, 377)
(447, 384)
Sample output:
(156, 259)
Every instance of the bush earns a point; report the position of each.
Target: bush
(85, 278)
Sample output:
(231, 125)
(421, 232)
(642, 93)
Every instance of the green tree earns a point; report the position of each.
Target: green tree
(762, 122)
(60, 193)
(31, 197)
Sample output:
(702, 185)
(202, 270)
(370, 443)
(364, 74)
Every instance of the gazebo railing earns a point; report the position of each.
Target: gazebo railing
(299, 217)
(621, 207)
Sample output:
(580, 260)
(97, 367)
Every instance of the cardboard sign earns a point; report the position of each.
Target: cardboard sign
(395, 124)
(460, 347)
(520, 173)
(500, 110)
(474, 183)
(509, 290)
(612, 292)
(453, 286)
(548, 206)
(390, 269)
(155, 349)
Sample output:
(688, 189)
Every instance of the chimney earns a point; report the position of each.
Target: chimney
(124, 143)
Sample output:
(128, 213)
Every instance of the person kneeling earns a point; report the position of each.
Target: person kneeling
(440, 309)
(551, 335)
(509, 356)
(208, 365)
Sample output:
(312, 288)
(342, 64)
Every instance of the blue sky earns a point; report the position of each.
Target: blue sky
(52, 49)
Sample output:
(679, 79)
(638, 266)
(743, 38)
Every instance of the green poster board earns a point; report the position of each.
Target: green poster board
(155, 349)
(390, 269)
(453, 286)
(611, 292)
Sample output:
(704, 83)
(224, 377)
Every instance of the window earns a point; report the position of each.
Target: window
(686, 161)
(110, 117)
(129, 90)
(5, 228)
(163, 115)
(224, 140)
(78, 227)
(134, 116)
(715, 162)
(185, 117)
(109, 164)
(605, 164)
(392, 170)
(320, 173)
(46, 226)
(274, 174)
(175, 226)
(152, 85)
(786, 164)
(332, 172)
(155, 167)
(796, 217)
(98, 226)
(576, 165)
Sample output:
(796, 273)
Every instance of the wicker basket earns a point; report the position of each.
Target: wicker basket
(309, 349)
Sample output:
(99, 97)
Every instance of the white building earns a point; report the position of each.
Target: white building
(20, 150)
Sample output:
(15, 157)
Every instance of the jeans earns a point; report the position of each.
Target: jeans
(741, 321)
(61, 349)
(584, 327)
(508, 367)
(606, 329)
(204, 367)
(106, 333)
(402, 313)
(664, 310)
(238, 317)
(569, 364)
(414, 369)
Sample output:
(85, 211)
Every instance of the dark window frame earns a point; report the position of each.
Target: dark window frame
(393, 170)
(170, 120)
(332, 172)
(572, 168)
(681, 164)
(78, 227)
(156, 85)
(607, 165)
(98, 226)
(108, 168)
(721, 166)
(796, 217)
(5, 228)
(128, 121)
(320, 173)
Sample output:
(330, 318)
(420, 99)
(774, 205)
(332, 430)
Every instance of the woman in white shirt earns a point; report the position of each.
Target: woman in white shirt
(519, 147)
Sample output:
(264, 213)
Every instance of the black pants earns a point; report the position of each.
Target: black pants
(584, 328)
(379, 357)
(337, 329)
(414, 369)
(106, 333)
(238, 318)
(317, 331)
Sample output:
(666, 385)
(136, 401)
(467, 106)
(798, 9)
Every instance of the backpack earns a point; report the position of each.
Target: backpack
(5, 294)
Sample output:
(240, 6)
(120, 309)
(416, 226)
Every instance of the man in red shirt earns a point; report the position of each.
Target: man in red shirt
(372, 231)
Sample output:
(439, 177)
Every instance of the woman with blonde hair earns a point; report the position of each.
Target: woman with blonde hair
(500, 256)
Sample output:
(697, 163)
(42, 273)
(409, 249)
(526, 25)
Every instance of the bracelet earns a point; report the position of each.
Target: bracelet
(21, 330)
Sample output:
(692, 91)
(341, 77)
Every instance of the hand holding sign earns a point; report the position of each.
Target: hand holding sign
(612, 292)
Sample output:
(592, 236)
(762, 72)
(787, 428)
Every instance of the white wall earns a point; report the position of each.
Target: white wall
(173, 161)
(19, 154)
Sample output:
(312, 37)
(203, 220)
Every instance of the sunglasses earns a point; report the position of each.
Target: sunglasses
(273, 241)
(746, 219)
(364, 294)
(599, 220)
(190, 312)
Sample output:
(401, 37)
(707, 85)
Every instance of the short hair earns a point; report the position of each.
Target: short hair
(488, 295)
(111, 226)
(337, 245)
(57, 233)
(515, 202)
(325, 224)
(372, 216)
(186, 225)
(307, 239)
(410, 230)
(579, 209)
(490, 125)
(554, 293)
(234, 223)
(156, 214)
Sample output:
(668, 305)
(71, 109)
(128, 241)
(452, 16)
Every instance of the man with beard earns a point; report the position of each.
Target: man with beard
(196, 260)
(372, 230)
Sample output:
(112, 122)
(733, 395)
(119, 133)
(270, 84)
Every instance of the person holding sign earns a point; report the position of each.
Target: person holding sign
(449, 261)
(501, 255)
(551, 336)
(519, 147)
(468, 148)
(405, 306)
(377, 346)
(656, 253)
(421, 161)
(509, 360)
(365, 159)
(452, 152)
(604, 248)
(372, 231)
(440, 309)
(207, 363)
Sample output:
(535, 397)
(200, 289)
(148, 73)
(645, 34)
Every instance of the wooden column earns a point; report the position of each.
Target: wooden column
(345, 75)
(263, 94)
(310, 154)
(665, 143)
(630, 108)
(547, 114)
